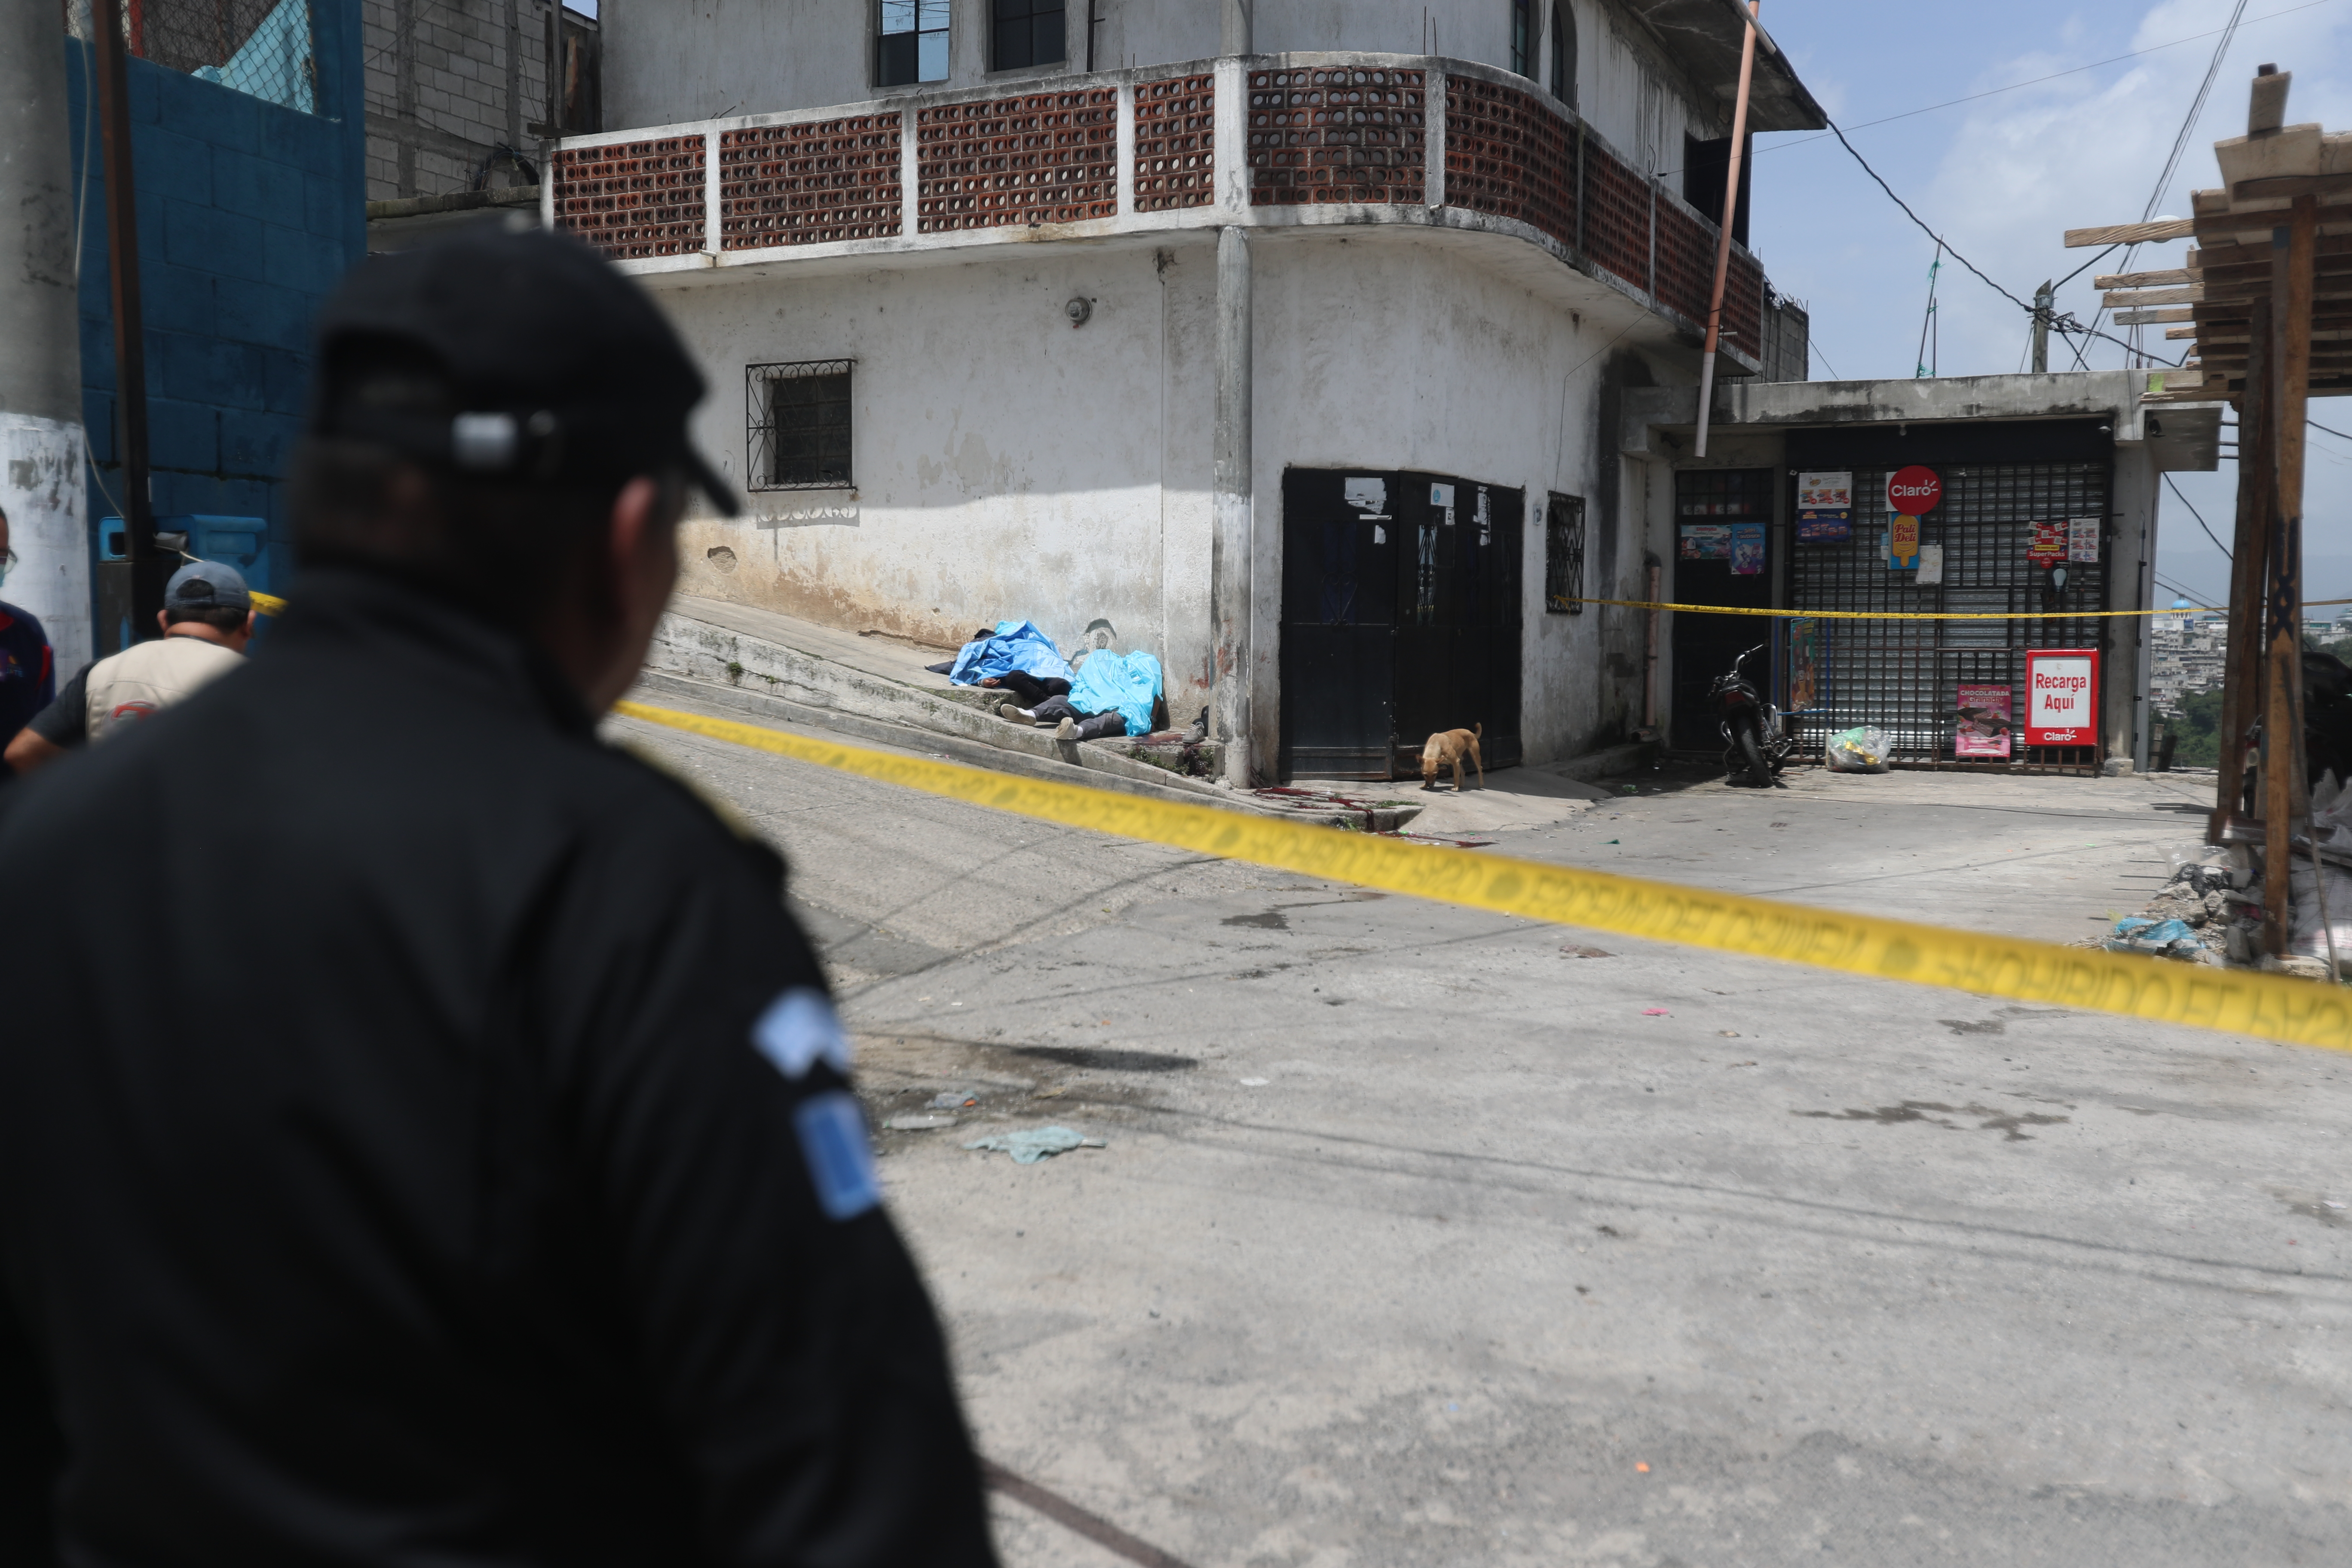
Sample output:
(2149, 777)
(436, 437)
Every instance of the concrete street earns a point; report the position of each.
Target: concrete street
(1418, 1240)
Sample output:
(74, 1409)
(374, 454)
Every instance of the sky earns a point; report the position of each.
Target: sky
(2003, 177)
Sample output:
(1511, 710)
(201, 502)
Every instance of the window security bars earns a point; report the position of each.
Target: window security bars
(261, 47)
(1026, 33)
(1564, 554)
(911, 43)
(1523, 54)
(798, 435)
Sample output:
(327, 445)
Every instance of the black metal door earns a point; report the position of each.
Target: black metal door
(1712, 508)
(1338, 595)
(1457, 615)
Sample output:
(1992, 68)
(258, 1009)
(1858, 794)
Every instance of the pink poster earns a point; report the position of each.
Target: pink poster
(1983, 729)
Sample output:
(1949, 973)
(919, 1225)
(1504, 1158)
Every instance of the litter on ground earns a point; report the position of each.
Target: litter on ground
(1030, 1144)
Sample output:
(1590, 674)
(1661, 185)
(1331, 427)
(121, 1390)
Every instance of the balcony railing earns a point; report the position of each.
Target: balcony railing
(1263, 141)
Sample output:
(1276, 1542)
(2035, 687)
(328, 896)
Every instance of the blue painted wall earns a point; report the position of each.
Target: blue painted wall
(249, 214)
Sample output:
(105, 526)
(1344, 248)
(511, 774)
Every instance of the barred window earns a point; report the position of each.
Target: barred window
(911, 43)
(1027, 33)
(798, 438)
(1522, 51)
(1564, 554)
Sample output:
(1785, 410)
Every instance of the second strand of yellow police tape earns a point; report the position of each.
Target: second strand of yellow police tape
(2279, 1007)
(1922, 614)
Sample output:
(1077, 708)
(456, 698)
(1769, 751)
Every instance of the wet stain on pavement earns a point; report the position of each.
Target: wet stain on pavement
(1272, 920)
(1963, 1026)
(1935, 1114)
(1105, 1059)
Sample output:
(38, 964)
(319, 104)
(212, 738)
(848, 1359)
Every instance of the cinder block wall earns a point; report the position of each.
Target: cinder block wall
(249, 214)
(450, 82)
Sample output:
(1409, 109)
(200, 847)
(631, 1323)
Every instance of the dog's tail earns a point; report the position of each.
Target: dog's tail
(1478, 731)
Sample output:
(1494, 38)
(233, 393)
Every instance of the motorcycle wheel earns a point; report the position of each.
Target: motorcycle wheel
(1754, 755)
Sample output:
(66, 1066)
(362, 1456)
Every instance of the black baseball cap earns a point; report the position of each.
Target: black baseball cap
(508, 351)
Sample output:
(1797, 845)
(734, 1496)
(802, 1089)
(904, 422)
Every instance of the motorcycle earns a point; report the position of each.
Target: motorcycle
(1757, 743)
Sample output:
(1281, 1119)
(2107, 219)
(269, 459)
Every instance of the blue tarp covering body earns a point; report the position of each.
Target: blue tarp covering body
(1127, 682)
(1017, 645)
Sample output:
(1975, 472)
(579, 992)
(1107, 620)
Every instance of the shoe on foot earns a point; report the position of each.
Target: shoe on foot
(1015, 711)
(1068, 730)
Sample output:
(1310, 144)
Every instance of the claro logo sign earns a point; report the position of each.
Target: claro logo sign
(1912, 492)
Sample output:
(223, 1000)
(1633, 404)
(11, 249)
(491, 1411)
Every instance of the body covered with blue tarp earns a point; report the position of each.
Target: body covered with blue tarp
(1017, 645)
(1127, 682)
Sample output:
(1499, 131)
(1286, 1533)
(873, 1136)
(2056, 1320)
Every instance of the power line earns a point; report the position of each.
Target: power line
(2062, 324)
(2201, 520)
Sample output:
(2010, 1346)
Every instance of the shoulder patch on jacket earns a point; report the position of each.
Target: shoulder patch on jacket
(831, 1132)
(798, 1030)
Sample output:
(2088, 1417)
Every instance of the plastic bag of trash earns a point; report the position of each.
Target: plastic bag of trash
(1861, 750)
(2208, 867)
(2166, 939)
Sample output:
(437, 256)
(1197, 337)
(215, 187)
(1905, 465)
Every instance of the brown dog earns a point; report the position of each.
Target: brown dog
(1447, 746)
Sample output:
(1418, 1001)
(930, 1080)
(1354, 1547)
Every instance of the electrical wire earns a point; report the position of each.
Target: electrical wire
(2066, 325)
(2201, 520)
(2325, 431)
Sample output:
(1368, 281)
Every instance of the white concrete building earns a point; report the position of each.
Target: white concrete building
(1300, 355)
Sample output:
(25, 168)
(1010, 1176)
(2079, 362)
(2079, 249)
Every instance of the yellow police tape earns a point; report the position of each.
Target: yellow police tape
(2279, 1007)
(267, 604)
(1924, 615)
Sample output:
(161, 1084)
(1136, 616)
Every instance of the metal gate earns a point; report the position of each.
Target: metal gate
(1904, 676)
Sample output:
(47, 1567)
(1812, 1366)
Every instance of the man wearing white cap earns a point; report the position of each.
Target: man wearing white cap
(207, 619)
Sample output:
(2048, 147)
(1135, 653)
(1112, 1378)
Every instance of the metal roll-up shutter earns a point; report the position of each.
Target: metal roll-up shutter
(1904, 676)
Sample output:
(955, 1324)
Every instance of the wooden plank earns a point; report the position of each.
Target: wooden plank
(2139, 299)
(2266, 103)
(2143, 279)
(2241, 671)
(2149, 318)
(2131, 233)
(2280, 187)
(2283, 802)
(2258, 254)
(2227, 225)
(2334, 287)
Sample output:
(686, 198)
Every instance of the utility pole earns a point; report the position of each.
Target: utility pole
(2045, 299)
(2294, 249)
(41, 437)
(130, 590)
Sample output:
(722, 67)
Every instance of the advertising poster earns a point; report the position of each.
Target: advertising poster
(1983, 729)
(2049, 543)
(1706, 542)
(1931, 566)
(1824, 506)
(1902, 543)
(2082, 539)
(2061, 697)
(1747, 549)
(1805, 655)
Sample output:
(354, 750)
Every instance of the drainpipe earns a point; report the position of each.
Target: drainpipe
(1650, 660)
(1723, 239)
(1230, 547)
(41, 484)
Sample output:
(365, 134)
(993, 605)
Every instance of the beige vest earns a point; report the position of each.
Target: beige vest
(132, 684)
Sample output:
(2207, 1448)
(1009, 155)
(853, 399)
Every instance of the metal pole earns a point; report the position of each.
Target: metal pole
(1723, 239)
(130, 591)
(41, 439)
(1232, 545)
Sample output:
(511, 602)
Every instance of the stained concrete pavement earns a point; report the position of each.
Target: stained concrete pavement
(1420, 1237)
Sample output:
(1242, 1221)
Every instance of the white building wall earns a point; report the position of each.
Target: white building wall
(1008, 465)
(670, 61)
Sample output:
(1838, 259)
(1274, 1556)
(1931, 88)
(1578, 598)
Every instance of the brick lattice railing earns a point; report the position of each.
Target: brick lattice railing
(813, 183)
(1317, 134)
(1044, 157)
(1333, 136)
(633, 199)
(1175, 143)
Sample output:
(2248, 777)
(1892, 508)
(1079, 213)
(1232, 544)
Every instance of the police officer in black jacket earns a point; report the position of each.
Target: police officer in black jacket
(424, 1137)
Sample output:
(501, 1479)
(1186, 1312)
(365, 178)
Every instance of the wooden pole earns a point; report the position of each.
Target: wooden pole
(2241, 682)
(2293, 247)
(1723, 236)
